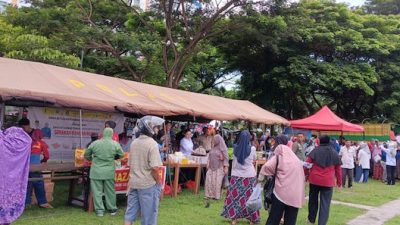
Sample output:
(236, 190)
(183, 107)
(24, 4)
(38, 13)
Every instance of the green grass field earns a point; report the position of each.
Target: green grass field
(374, 193)
(394, 221)
(186, 209)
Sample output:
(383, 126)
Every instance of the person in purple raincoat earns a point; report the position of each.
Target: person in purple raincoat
(15, 150)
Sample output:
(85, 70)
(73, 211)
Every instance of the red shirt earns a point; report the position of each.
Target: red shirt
(40, 147)
(324, 176)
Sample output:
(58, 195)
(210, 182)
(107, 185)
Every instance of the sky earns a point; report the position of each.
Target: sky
(353, 2)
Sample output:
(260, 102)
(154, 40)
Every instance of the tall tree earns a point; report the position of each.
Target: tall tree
(185, 25)
(312, 54)
(16, 42)
(384, 7)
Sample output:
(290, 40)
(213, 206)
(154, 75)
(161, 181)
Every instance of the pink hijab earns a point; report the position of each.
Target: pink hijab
(289, 183)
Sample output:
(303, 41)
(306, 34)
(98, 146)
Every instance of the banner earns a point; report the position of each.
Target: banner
(121, 179)
(61, 128)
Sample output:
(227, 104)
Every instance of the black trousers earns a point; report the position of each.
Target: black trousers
(347, 173)
(391, 170)
(325, 197)
(279, 209)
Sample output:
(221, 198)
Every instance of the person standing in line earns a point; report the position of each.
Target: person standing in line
(347, 154)
(144, 179)
(298, 147)
(390, 162)
(364, 159)
(242, 182)
(102, 153)
(325, 167)
(38, 148)
(217, 168)
(377, 158)
(288, 193)
(357, 167)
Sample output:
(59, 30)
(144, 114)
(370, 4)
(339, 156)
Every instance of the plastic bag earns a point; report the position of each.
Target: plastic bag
(255, 202)
(225, 182)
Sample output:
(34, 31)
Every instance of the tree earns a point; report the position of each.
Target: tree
(312, 54)
(384, 7)
(16, 43)
(160, 46)
(185, 25)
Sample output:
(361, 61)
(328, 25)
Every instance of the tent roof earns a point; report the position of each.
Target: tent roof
(24, 80)
(325, 120)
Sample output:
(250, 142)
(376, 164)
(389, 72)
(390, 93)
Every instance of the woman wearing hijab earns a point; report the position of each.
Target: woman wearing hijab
(15, 149)
(364, 160)
(218, 164)
(288, 193)
(325, 167)
(102, 153)
(242, 182)
(377, 157)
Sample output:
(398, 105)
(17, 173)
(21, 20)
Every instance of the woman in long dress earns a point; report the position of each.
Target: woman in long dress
(15, 149)
(242, 182)
(218, 163)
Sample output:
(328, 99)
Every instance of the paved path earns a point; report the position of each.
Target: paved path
(378, 215)
(366, 207)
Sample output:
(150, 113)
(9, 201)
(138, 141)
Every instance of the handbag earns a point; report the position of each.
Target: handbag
(269, 187)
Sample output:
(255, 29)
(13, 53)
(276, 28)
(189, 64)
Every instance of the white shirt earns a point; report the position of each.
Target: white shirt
(364, 158)
(186, 146)
(390, 159)
(347, 156)
(246, 170)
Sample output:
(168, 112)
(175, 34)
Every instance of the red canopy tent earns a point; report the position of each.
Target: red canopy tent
(325, 120)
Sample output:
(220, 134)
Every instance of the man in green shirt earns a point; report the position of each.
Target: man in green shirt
(102, 153)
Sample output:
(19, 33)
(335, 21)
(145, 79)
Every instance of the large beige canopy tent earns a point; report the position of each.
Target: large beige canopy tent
(62, 87)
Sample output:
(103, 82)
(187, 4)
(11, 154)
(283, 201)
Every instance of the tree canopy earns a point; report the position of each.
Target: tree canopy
(291, 58)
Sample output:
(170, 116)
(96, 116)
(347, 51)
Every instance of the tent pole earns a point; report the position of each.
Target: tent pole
(80, 128)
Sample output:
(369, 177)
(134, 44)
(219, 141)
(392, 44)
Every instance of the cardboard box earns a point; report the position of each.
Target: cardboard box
(49, 188)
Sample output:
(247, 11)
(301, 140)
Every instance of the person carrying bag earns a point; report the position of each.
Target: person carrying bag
(287, 195)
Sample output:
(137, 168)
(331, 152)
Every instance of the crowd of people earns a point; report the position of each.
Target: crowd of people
(321, 162)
